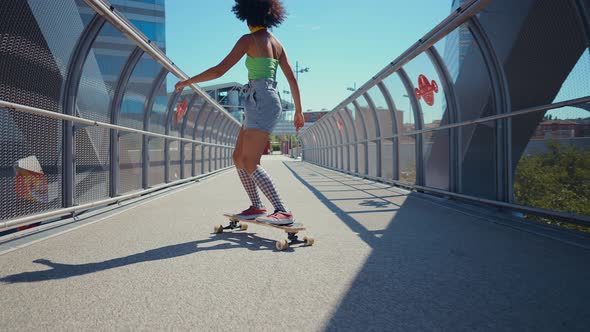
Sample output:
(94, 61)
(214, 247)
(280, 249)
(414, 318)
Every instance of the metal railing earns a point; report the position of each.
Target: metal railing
(198, 144)
(484, 110)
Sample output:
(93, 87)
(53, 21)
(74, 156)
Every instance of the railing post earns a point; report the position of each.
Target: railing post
(417, 108)
(115, 112)
(378, 139)
(203, 140)
(147, 112)
(203, 108)
(189, 107)
(359, 112)
(348, 114)
(69, 100)
(394, 129)
(453, 116)
(501, 95)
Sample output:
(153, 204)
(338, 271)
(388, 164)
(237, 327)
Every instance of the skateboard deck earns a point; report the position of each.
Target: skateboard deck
(295, 227)
(291, 230)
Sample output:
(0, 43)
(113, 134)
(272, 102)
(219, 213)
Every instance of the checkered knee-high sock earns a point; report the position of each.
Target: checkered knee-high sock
(264, 182)
(250, 187)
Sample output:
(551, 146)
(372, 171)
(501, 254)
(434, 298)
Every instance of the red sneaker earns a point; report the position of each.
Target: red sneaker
(251, 213)
(278, 218)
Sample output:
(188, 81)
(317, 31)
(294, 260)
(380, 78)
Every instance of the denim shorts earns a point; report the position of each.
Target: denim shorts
(263, 106)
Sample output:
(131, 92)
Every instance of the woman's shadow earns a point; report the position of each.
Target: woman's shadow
(63, 271)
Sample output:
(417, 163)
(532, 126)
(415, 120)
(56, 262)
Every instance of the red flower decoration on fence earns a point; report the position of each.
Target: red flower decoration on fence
(426, 90)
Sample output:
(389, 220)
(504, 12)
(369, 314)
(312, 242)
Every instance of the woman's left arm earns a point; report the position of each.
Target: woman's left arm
(215, 72)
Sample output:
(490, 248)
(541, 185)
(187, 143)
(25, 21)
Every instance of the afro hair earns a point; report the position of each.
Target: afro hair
(266, 13)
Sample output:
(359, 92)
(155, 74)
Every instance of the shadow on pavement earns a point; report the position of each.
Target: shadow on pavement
(232, 240)
(348, 185)
(434, 269)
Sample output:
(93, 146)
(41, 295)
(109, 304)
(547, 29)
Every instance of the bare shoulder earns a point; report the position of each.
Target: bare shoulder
(245, 39)
(278, 46)
(275, 40)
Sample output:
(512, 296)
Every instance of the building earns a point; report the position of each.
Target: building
(562, 129)
(230, 96)
(111, 50)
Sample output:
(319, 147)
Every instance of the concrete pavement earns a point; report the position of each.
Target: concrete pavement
(384, 260)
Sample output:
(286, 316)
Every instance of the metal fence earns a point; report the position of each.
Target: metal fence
(491, 106)
(89, 116)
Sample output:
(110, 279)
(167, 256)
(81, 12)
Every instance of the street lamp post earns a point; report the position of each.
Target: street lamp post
(297, 70)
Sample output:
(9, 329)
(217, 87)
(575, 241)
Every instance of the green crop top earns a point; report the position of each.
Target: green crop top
(261, 68)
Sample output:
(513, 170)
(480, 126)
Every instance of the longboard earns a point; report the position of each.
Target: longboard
(291, 230)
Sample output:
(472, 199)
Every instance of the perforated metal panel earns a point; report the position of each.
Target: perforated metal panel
(198, 159)
(40, 46)
(188, 160)
(36, 42)
(156, 153)
(436, 159)
(130, 162)
(478, 160)
(30, 164)
(92, 164)
(174, 147)
(407, 159)
(539, 46)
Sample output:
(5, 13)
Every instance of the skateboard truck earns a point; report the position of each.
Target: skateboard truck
(234, 224)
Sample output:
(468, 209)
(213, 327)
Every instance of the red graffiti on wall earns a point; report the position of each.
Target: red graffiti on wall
(30, 182)
(426, 90)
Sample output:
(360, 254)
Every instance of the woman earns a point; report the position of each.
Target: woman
(263, 107)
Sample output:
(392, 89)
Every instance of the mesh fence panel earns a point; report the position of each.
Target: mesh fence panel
(130, 162)
(92, 164)
(30, 164)
(37, 39)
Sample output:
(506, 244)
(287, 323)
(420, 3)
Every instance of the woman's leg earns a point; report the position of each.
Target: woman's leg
(254, 143)
(247, 181)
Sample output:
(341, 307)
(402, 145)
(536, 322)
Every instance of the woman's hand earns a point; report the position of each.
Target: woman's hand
(180, 85)
(299, 121)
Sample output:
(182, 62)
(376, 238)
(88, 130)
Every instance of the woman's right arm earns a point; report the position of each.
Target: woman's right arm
(215, 72)
(290, 75)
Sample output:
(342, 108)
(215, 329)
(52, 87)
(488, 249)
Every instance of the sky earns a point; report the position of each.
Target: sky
(342, 42)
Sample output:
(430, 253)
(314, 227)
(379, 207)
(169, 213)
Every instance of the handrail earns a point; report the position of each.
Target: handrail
(448, 25)
(540, 108)
(13, 223)
(120, 22)
(583, 220)
(74, 119)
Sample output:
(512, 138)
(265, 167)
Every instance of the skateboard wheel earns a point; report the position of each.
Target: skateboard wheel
(218, 229)
(308, 240)
(243, 227)
(282, 245)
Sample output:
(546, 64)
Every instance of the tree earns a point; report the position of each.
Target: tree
(557, 180)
